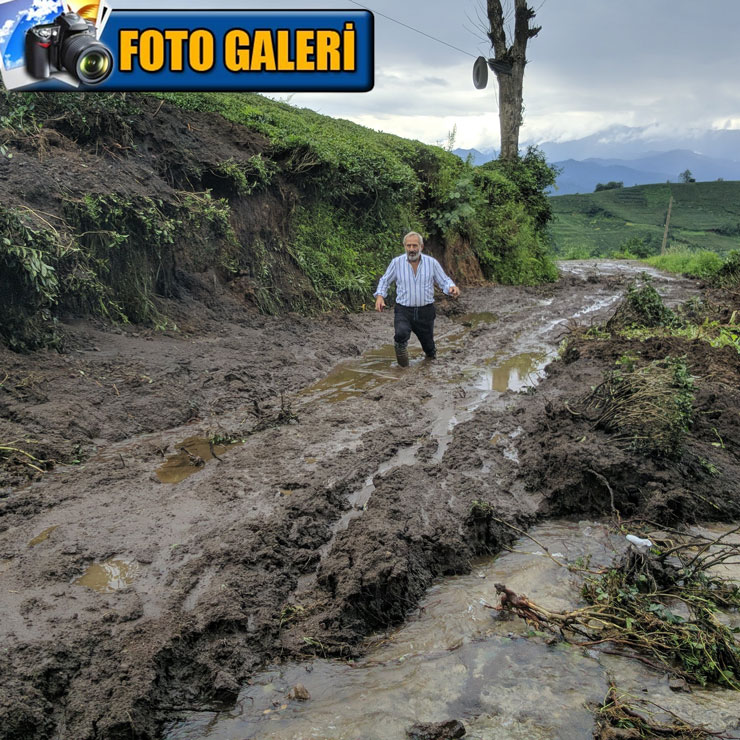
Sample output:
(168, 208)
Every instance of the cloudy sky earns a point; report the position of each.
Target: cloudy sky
(669, 65)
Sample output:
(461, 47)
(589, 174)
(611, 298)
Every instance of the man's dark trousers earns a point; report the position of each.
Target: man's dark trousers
(417, 319)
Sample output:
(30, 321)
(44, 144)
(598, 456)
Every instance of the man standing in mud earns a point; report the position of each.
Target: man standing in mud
(414, 274)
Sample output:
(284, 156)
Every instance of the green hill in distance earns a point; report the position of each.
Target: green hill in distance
(705, 216)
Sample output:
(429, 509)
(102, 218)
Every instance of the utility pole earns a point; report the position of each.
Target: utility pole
(667, 223)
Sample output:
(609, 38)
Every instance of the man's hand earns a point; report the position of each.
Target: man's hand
(455, 291)
(379, 303)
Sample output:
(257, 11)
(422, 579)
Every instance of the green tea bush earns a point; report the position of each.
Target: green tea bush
(642, 307)
(581, 252)
(634, 248)
(339, 266)
(508, 242)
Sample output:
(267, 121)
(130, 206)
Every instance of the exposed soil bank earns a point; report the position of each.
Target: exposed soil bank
(259, 554)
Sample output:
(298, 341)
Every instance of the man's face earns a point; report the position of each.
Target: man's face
(413, 248)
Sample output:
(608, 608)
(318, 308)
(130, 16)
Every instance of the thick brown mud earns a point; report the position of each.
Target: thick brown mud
(353, 486)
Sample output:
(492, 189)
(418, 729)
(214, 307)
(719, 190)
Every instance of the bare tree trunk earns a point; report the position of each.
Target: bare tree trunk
(510, 56)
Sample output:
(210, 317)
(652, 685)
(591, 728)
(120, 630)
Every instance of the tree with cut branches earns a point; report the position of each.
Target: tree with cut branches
(508, 66)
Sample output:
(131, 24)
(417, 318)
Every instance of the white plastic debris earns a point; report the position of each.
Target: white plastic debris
(639, 542)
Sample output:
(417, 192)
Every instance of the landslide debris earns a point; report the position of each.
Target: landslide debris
(649, 427)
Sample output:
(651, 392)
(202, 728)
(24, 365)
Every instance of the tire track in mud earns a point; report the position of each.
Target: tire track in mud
(250, 559)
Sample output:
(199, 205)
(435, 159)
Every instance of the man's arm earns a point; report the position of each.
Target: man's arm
(383, 285)
(445, 283)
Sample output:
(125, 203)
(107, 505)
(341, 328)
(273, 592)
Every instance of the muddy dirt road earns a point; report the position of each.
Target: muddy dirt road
(336, 488)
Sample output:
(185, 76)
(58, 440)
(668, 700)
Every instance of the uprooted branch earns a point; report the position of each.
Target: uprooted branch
(659, 607)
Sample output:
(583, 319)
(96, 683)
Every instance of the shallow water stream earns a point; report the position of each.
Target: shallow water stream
(458, 659)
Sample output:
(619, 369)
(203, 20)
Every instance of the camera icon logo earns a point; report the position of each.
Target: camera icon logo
(68, 44)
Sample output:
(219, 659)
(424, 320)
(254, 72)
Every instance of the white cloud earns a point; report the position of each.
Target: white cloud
(726, 124)
(666, 66)
(42, 9)
(6, 29)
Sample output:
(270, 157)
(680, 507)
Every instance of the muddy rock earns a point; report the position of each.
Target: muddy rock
(299, 693)
(448, 730)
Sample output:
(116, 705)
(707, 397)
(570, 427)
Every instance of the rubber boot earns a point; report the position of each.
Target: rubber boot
(402, 354)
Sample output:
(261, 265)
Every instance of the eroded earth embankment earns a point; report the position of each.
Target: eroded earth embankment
(322, 509)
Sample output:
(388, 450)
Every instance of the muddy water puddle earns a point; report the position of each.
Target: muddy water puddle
(375, 368)
(497, 375)
(513, 373)
(457, 659)
(378, 366)
(474, 320)
(43, 536)
(192, 455)
(109, 576)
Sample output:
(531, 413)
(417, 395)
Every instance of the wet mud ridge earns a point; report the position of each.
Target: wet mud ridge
(277, 488)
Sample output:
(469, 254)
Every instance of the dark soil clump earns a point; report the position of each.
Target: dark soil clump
(620, 448)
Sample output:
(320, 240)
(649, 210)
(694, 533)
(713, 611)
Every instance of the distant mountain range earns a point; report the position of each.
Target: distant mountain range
(631, 156)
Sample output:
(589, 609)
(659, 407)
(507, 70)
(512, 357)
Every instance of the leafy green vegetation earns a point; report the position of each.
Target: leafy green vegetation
(642, 307)
(701, 264)
(704, 216)
(635, 603)
(728, 275)
(29, 284)
(624, 715)
(110, 254)
(710, 331)
(659, 606)
(339, 262)
(509, 236)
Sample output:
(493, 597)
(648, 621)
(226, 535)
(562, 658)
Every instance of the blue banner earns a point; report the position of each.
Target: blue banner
(213, 50)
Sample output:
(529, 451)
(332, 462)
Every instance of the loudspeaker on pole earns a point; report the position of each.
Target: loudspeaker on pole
(480, 72)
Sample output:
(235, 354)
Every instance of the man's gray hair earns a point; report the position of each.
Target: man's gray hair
(414, 233)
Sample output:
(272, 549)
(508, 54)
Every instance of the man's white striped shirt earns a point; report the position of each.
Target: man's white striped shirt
(414, 289)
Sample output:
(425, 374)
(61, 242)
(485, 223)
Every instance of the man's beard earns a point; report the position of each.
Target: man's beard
(412, 257)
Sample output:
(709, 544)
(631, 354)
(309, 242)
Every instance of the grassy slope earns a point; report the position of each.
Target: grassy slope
(602, 222)
(371, 187)
(305, 211)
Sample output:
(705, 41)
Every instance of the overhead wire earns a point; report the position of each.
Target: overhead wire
(422, 33)
(415, 30)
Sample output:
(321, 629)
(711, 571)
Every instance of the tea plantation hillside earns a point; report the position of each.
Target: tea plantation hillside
(705, 215)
